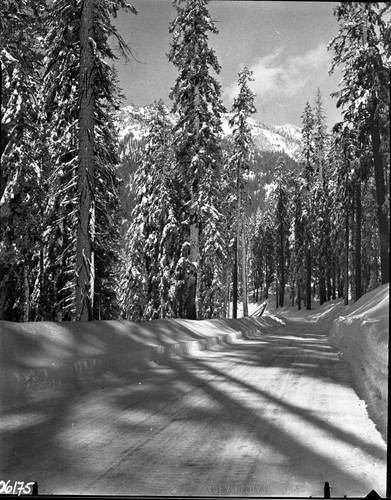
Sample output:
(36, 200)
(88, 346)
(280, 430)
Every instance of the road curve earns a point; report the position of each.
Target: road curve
(273, 415)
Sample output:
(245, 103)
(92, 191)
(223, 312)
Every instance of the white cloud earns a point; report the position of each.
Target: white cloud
(276, 74)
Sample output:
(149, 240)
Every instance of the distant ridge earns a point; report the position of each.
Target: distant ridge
(133, 123)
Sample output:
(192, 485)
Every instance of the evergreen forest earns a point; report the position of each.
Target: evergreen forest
(187, 222)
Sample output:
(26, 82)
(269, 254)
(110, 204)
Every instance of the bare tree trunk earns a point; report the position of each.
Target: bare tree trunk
(339, 282)
(333, 284)
(85, 184)
(282, 265)
(41, 310)
(329, 280)
(235, 281)
(26, 313)
(346, 270)
(380, 199)
(244, 269)
(227, 294)
(308, 280)
(299, 295)
(322, 278)
(195, 310)
(357, 243)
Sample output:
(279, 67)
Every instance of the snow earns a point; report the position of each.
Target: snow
(43, 359)
(133, 123)
(269, 414)
(39, 358)
(359, 332)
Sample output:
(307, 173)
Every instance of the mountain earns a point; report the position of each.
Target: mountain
(133, 123)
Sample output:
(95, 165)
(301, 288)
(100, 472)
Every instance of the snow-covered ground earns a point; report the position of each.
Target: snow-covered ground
(273, 414)
(360, 333)
(45, 359)
(270, 412)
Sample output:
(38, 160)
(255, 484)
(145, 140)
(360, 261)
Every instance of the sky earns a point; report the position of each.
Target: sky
(284, 43)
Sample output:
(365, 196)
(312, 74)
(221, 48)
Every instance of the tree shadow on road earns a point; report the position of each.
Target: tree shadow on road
(199, 373)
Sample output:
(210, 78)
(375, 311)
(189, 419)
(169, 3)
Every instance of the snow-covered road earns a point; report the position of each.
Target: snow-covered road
(274, 415)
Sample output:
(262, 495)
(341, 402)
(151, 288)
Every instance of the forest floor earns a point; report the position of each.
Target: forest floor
(271, 415)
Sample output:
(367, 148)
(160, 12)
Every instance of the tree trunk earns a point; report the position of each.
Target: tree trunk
(380, 199)
(244, 270)
(339, 283)
(308, 278)
(85, 184)
(227, 295)
(282, 269)
(333, 284)
(298, 295)
(235, 281)
(26, 286)
(329, 281)
(357, 243)
(322, 279)
(195, 291)
(41, 310)
(346, 270)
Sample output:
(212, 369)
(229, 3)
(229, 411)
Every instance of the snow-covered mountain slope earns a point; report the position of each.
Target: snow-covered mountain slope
(133, 125)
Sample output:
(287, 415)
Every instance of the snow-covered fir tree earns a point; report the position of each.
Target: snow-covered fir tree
(83, 201)
(196, 98)
(308, 173)
(22, 187)
(239, 163)
(322, 201)
(153, 250)
(362, 47)
(281, 202)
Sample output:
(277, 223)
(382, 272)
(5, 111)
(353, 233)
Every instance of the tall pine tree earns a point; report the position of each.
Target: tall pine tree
(362, 47)
(79, 98)
(22, 186)
(239, 163)
(196, 99)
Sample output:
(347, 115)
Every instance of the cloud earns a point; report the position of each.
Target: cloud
(286, 76)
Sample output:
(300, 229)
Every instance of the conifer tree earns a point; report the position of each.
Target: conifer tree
(321, 201)
(85, 265)
(362, 47)
(197, 101)
(282, 225)
(153, 237)
(298, 250)
(22, 187)
(308, 173)
(80, 96)
(264, 249)
(239, 163)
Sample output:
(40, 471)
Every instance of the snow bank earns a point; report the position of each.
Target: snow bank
(324, 315)
(360, 333)
(46, 359)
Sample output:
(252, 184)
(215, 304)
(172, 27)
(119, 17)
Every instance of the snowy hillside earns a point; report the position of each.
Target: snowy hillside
(133, 124)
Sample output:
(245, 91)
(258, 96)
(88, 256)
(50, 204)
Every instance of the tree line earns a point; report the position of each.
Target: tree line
(329, 226)
(73, 247)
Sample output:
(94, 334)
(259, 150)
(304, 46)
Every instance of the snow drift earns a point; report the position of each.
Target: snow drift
(46, 359)
(360, 333)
